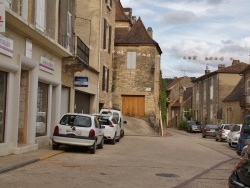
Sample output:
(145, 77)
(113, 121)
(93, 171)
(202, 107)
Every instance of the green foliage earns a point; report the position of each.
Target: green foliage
(188, 115)
(162, 99)
(182, 124)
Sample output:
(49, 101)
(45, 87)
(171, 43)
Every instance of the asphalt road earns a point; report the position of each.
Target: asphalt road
(140, 159)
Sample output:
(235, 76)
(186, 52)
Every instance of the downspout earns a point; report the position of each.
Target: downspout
(99, 56)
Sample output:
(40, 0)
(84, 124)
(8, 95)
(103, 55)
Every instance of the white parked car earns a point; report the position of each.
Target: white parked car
(118, 115)
(110, 127)
(233, 135)
(78, 130)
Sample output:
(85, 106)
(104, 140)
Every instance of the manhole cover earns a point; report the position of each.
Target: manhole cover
(167, 175)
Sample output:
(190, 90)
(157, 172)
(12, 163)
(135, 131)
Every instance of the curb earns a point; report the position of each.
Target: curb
(4, 170)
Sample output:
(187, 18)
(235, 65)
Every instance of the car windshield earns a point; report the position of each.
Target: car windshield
(195, 123)
(75, 120)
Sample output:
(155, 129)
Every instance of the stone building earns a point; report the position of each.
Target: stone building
(178, 96)
(136, 67)
(211, 89)
(234, 108)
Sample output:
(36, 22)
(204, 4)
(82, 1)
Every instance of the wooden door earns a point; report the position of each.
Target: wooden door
(133, 105)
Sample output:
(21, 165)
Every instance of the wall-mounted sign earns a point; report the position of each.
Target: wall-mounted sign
(6, 46)
(81, 81)
(2, 18)
(28, 48)
(46, 65)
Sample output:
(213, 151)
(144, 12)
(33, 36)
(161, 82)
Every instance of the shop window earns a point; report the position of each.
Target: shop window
(3, 81)
(42, 107)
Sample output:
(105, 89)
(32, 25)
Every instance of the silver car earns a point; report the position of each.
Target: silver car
(209, 130)
(233, 135)
(222, 132)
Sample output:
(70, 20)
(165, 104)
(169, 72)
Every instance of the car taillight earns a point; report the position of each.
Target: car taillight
(223, 131)
(111, 124)
(92, 133)
(56, 131)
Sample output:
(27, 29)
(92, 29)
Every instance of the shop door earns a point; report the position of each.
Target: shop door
(82, 102)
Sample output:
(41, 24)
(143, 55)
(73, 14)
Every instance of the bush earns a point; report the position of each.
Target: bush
(183, 124)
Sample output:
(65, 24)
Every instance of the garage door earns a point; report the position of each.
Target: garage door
(133, 105)
(82, 102)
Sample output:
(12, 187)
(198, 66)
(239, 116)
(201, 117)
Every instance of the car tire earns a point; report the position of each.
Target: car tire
(203, 136)
(55, 146)
(113, 140)
(122, 133)
(100, 146)
(93, 148)
(230, 144)
(220, 139)
(216, 139)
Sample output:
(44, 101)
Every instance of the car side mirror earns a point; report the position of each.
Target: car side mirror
(124, 122)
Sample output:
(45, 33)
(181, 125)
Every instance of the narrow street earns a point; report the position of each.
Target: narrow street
(140, 159)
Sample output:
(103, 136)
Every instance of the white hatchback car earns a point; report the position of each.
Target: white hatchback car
(233, 135)
(110, 127)
(118, 115)
(78, 130)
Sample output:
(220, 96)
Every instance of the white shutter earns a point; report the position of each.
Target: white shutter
(40, 15)
(69, 31)
(24, 9)
(131, 60)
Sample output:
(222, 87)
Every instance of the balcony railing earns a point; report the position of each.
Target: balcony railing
(80, 52)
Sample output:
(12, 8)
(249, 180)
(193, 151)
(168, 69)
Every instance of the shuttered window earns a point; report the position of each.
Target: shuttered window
(131, 60)
(40, 15)
(105, 79)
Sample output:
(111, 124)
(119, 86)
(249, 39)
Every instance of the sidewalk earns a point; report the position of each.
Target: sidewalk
(11, 162)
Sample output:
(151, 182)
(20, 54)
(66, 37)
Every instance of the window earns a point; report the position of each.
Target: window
(40, 15)
(131, 60)
(107, 36)
(109, 4)
(248, 87)
(7, 3)
(3, 81)
(105, 79)
(42, 106)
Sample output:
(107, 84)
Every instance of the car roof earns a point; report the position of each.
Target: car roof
(79, 114)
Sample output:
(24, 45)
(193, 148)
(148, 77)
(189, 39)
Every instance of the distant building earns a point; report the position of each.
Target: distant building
(211, 89)
(179, 95)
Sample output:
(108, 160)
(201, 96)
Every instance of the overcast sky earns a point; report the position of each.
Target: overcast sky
(191, 31)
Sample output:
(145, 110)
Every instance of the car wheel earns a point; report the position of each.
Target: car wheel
(55, 146)
(220, 139)
(113, 140)
(216, 139)
(230, 144)
(93, 149)
(100, 146)
(122, 133)
(203, 136)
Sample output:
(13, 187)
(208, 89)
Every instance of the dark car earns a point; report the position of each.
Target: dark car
(240, 177)
(244, 134)
(209, 130)
(193, 126)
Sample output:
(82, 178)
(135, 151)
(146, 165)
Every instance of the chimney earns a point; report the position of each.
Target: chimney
(207, 71)
(150, 31)
(133, 20)
(235, 62)
(221, 66)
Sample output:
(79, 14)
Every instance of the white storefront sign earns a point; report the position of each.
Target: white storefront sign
(6, 46)
(46, 65)
(2, 18)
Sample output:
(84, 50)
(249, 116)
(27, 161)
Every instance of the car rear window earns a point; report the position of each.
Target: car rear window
(228, 127)
(235, 128)
(212, 126)
(75, 120)
(103, 121)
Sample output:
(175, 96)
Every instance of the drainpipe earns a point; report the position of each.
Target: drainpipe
(99, 55)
